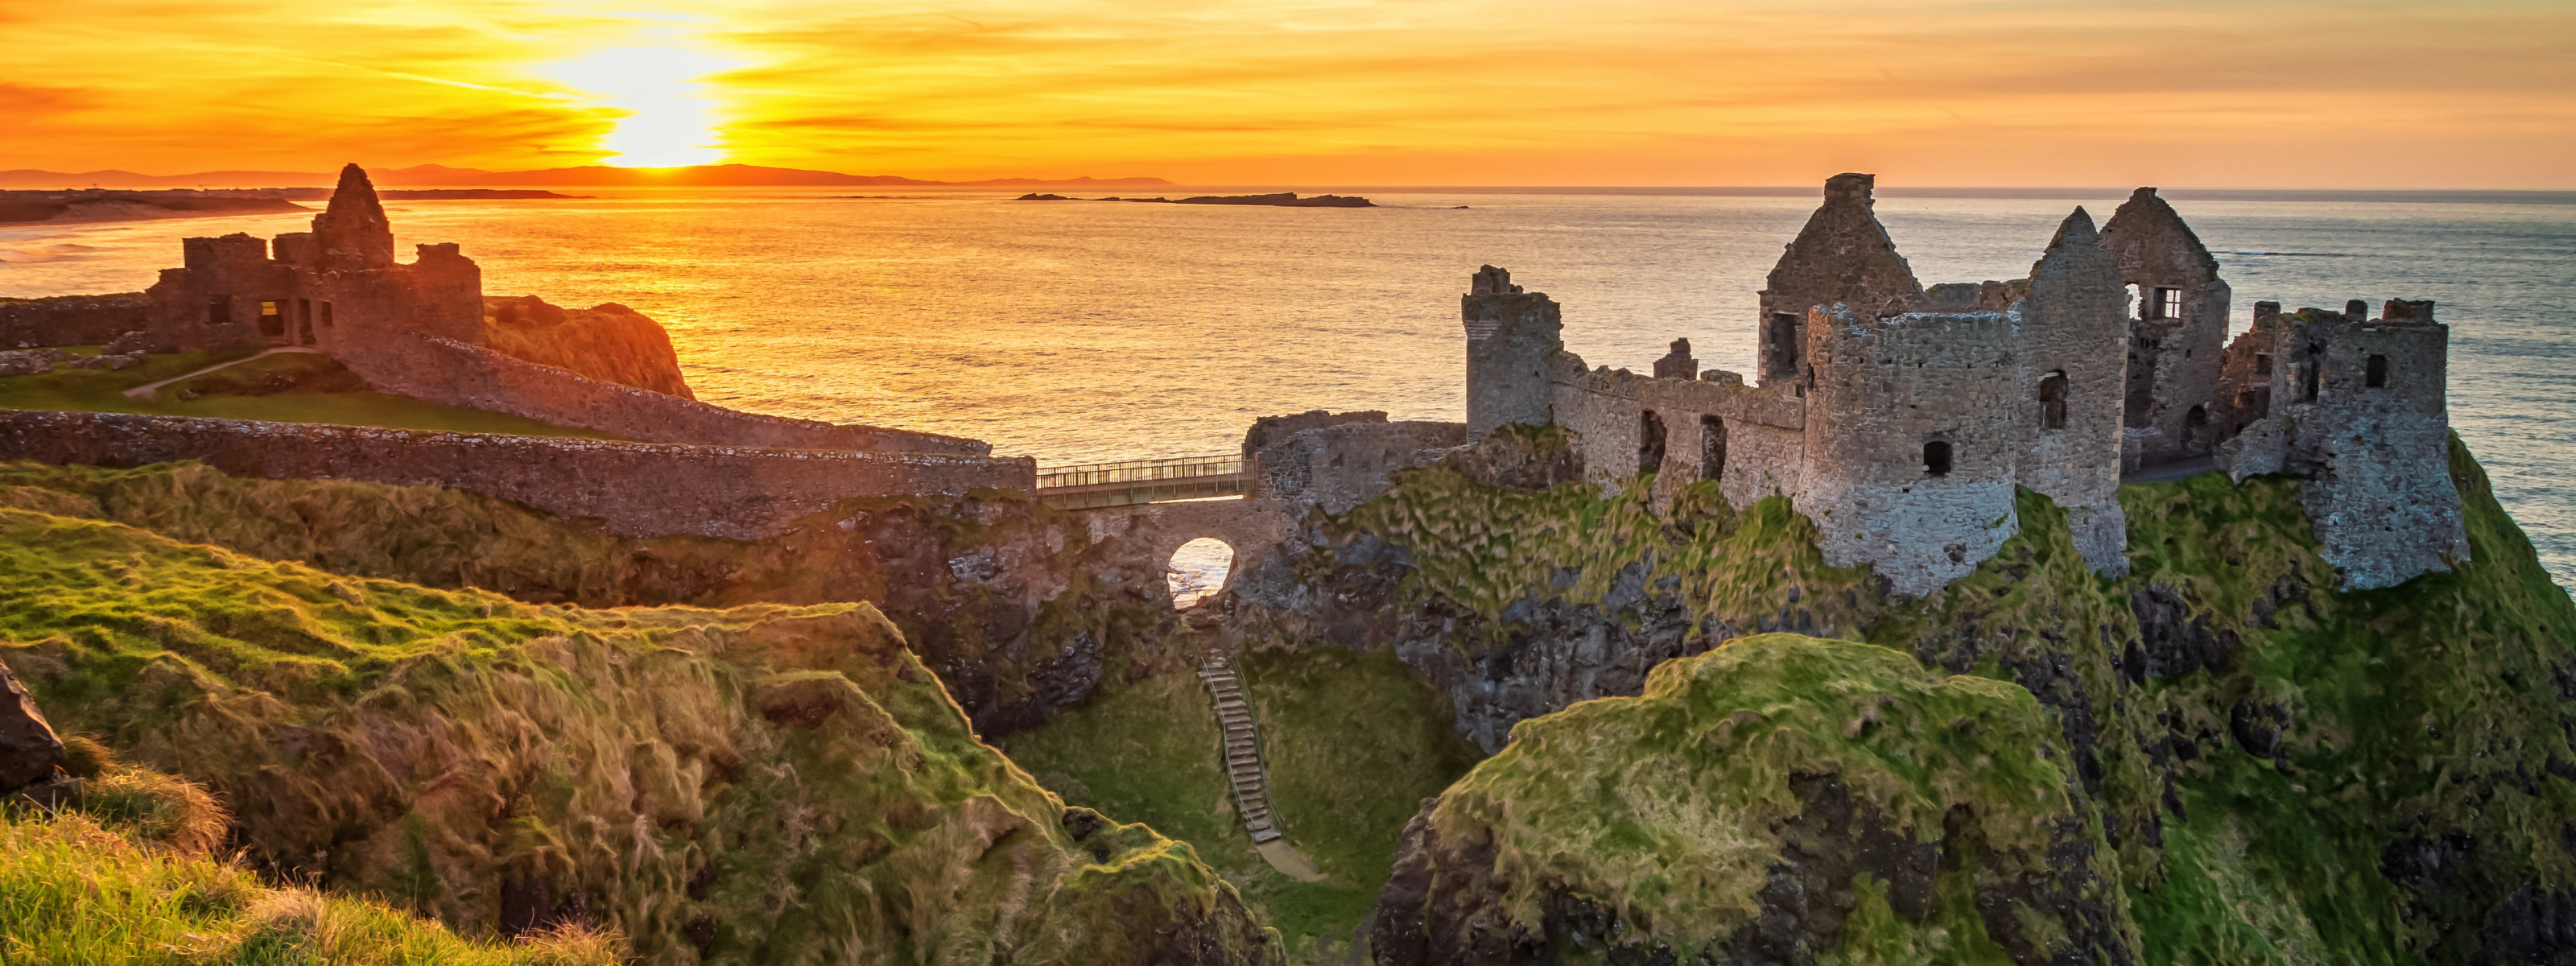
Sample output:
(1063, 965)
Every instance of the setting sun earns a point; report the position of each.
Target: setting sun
(669, 117)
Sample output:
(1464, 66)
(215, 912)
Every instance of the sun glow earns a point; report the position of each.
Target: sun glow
(669, 118)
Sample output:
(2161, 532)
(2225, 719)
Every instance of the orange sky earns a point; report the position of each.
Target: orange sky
(1609, 92)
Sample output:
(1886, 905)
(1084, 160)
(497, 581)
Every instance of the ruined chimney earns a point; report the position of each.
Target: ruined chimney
(2266, 310)
(2356, 309)
(1677, 364)
(1491, 281)
(353, 234)
(1850, 189)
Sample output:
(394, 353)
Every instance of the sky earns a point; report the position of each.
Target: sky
(2249, 93)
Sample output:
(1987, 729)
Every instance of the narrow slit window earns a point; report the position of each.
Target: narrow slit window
(2376, 377)
(1712, 448)
(2052, 401)
(1936, 457)
(326, 316)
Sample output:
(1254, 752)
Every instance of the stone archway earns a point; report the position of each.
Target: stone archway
(1140, 539)
(1200, 569)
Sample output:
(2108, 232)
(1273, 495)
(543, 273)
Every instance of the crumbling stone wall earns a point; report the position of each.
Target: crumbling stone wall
(2359, 407)
(1271, 429)
(1843, 256)
(2174, 357)
(2069, 320)
(1511, 337)
(1764, 430)
(452, 373)
(633, 489)
(1888, 391)
(1340, 466)
(71, 319)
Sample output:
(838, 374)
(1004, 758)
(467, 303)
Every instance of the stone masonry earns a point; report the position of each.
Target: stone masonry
(1903, 419)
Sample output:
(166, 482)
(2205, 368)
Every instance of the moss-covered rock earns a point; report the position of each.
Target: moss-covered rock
(1752, 804)
(759, 784)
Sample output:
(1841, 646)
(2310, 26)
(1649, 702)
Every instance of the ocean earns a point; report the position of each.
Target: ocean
(1085, 331)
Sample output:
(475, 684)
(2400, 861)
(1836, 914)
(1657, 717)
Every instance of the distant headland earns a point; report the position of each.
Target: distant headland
(1284, 199)
(441, 176)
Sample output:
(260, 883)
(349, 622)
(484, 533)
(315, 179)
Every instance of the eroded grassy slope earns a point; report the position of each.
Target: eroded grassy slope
(761, 784)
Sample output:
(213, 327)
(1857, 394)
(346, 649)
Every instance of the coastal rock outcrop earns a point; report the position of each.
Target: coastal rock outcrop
(1753, 805)
(608, 342)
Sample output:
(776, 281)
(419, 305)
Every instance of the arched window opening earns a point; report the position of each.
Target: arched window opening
(1936, 457)
(1198, 570)
(2052, 401)
(1712, 448)
(2376, 377)
(1650, 442)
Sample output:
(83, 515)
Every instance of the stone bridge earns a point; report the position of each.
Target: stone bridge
(1147, 534)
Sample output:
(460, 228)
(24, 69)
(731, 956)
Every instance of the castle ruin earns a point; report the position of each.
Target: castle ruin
(1902, 419)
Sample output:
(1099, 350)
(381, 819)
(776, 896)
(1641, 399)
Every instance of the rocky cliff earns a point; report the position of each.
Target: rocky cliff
(759, 784)
(2278, 771)
(608, 342)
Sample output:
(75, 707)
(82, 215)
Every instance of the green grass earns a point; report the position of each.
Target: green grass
(103, 391)
(74, 893)
(1354, 743)
(777, 784)
(1664, 809)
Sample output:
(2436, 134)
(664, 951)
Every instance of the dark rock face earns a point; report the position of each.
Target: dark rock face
(2176, 643)
(1821, 849)
(29, 751)
(1545, 654)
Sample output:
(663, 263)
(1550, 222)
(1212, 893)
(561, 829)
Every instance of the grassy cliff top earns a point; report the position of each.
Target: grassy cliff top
(759, 784)
(285, 388)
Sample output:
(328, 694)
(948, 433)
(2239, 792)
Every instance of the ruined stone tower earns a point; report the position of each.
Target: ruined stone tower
(1842, 256)
(353, 233)
(1511, 337)
(2177, 335)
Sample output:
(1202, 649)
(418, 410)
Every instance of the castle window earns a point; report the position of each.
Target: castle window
(2262, 363)
(1784, 342)
(219, 310)
(2163, 303)
(2052, 401)
(2376, 377)
(326, 316)
(1712, 448)
(272, 320)
(304, 321)
(1650, 442)
(1936, 457)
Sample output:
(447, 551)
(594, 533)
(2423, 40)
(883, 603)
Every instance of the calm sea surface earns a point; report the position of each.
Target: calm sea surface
(1082, 331)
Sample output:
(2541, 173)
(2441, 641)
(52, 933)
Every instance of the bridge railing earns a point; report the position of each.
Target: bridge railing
(1127, 472)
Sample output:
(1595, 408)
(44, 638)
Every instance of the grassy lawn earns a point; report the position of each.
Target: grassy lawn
(103, 391)
(1354, 743)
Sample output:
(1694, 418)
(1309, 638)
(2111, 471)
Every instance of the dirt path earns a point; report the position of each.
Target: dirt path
(147, 390)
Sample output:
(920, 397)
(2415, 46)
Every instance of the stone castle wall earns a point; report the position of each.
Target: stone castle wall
(1343, 465)
(634, 489)
(71, 320)
(2377, 457)
(1511, 338)
(453, 373)
(1886, 391)
(1763, 430)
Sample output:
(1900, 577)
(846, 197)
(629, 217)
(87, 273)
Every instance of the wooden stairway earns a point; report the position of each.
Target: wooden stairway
(1242, 747)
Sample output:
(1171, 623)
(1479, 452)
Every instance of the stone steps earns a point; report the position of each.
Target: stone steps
(1242, 747)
